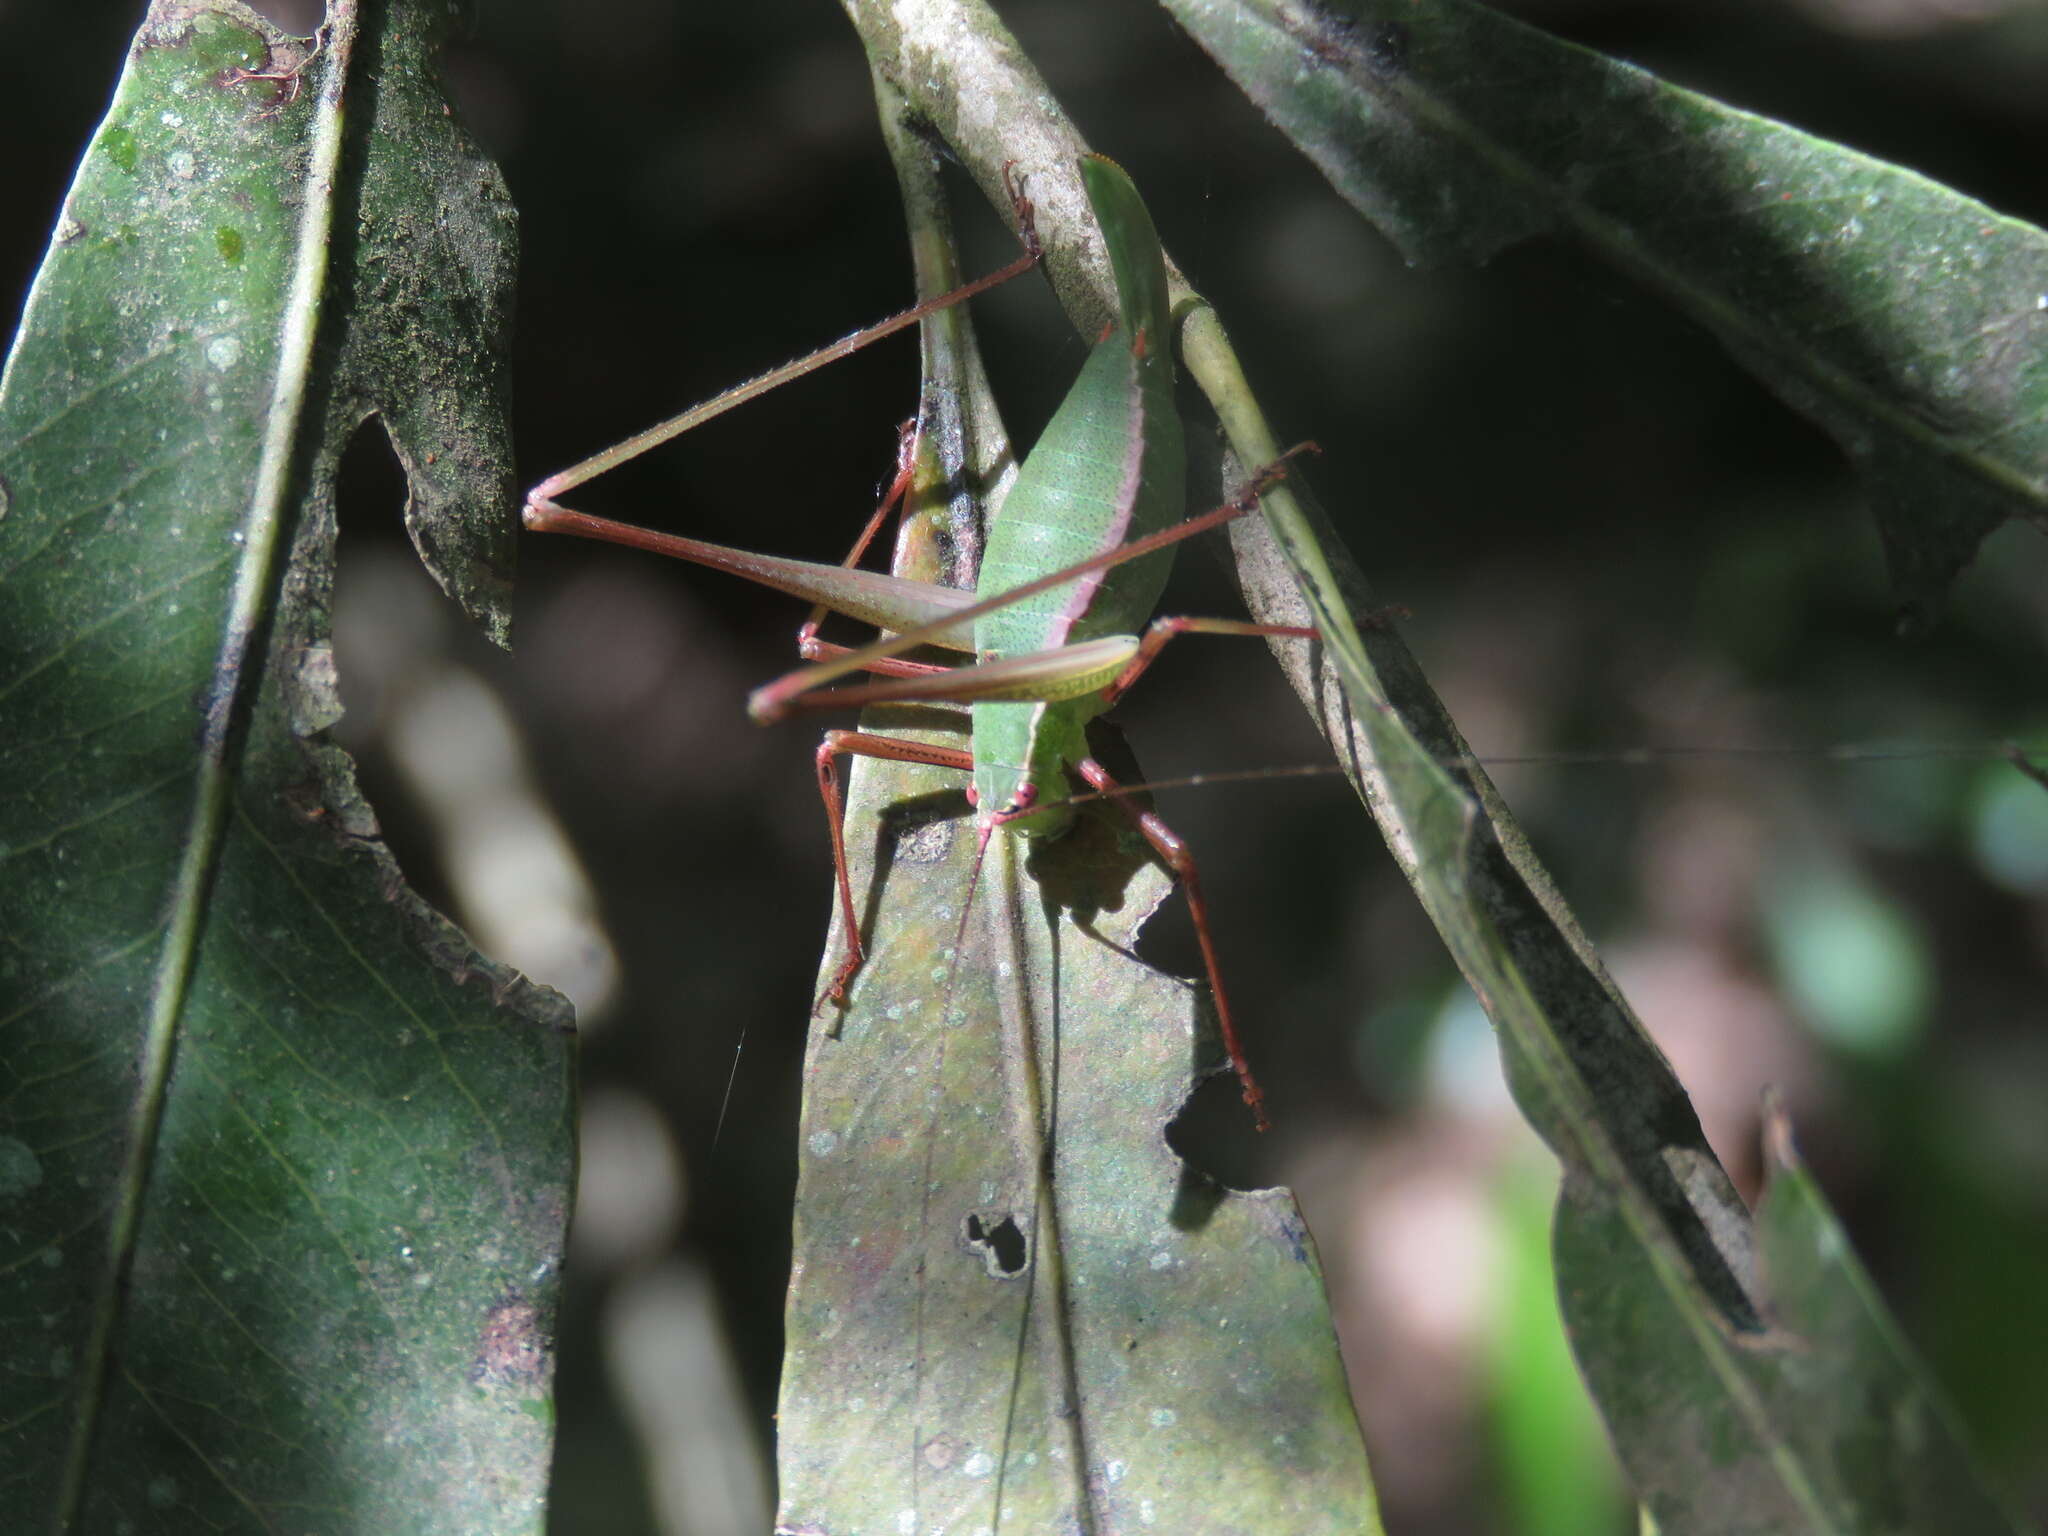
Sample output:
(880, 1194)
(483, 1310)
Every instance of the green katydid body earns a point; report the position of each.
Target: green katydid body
(1054, 621)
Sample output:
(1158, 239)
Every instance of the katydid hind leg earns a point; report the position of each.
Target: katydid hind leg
(1168, 845)
(808, 645)
(1065, 672)
(886, 601)
(882, 666)
(540, 501)
(790, 694)
(1160, 631)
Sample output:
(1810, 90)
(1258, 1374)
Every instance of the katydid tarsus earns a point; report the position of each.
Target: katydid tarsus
(1073, 565)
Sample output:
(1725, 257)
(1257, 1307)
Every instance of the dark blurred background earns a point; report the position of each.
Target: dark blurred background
(1608, 537)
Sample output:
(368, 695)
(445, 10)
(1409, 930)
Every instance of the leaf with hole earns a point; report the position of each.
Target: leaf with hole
(288, 1162)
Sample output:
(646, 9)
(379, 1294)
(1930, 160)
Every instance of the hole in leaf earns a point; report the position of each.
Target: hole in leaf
(389, 627)
(1195, 1199)
(1000, 1241)
(1214, 1135)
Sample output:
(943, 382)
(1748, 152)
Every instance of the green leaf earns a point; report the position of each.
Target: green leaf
(1910, 322)
(2009, 830)
(1728, 1420)
(1852, 962)
(286, 1162)
(1830, 1392)
(1012, 1305)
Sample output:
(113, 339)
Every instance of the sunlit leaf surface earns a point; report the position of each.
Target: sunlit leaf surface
(1014, 1307)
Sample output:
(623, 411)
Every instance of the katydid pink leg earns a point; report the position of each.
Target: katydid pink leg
(1163, 840)
(808, 645)
(1162, 630)
(1167, 844)
(791, 693)
(835, 745)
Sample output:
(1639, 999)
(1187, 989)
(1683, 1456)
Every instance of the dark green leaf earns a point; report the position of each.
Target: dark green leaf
(1829, 1395)
(1909, 321)
(1729, 1415)
(286, 1161)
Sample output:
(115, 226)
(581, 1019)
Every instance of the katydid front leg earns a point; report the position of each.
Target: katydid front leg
(1164, 841)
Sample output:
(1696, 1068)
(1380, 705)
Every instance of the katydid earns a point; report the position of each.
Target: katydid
(1074, 564)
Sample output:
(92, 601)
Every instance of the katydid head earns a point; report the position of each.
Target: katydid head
(1020, 772)
(1022, 812)
(1024, 808)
